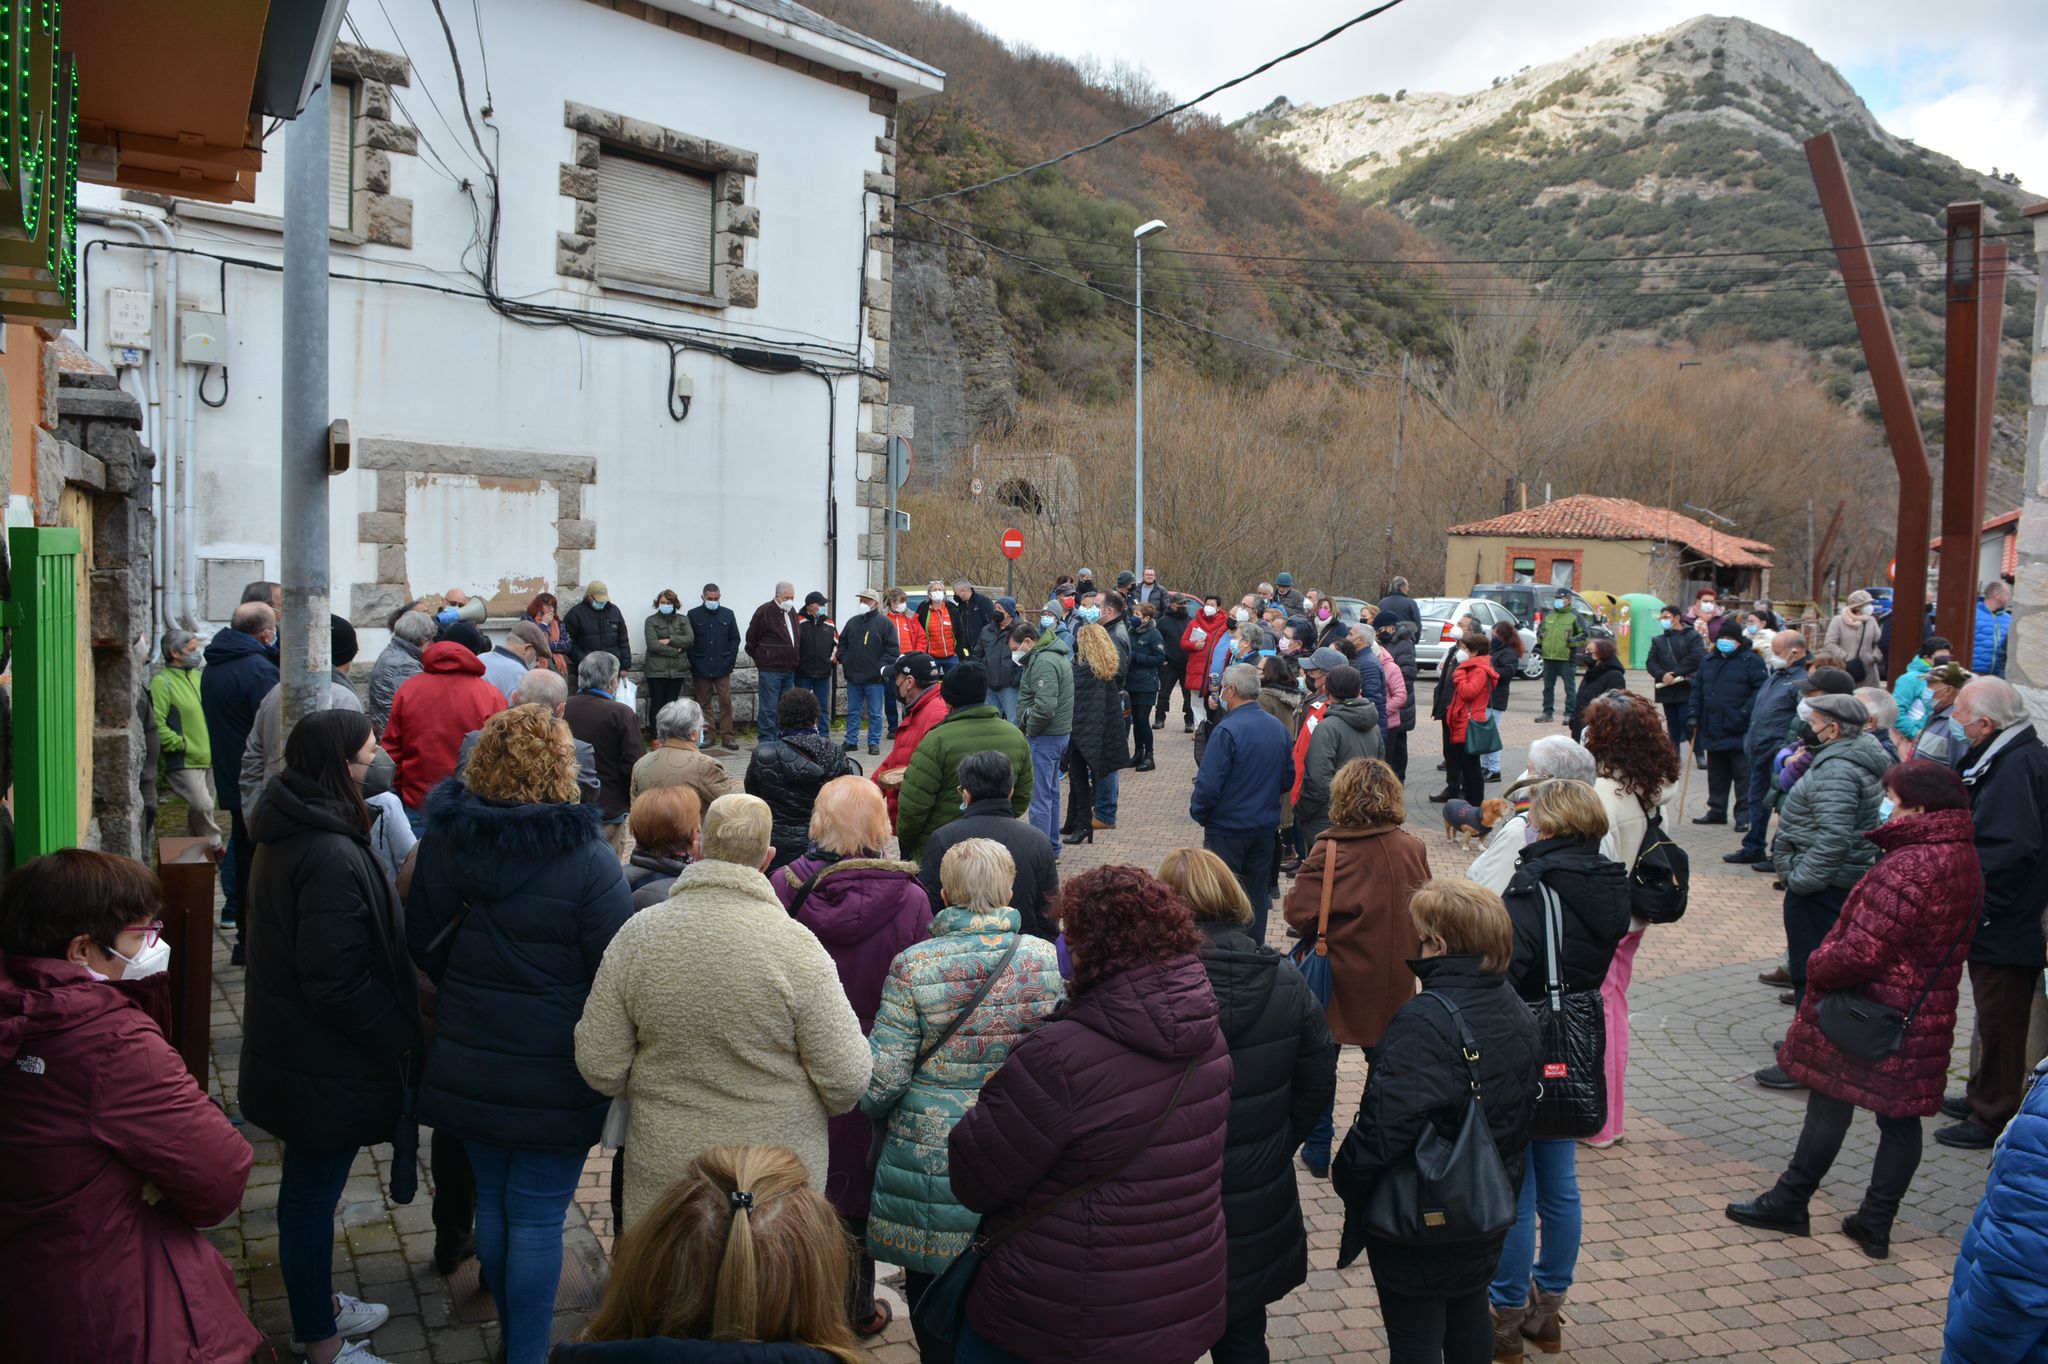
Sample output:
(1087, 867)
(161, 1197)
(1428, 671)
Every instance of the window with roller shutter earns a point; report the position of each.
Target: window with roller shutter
(654, 224)
(341, 147)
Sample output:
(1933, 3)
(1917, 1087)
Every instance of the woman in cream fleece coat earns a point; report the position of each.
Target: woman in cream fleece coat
(720, 1018)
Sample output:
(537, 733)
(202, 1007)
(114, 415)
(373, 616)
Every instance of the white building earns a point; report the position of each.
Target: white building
(717, 175)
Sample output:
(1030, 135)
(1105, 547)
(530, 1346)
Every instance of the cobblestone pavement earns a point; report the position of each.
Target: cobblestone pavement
(1662, 1276)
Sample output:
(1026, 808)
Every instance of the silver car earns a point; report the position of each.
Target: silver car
(1439, 631)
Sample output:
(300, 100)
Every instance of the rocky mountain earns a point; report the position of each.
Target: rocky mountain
(1657, 186)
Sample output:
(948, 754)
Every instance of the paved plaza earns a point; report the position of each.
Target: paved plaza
(1663, 1276)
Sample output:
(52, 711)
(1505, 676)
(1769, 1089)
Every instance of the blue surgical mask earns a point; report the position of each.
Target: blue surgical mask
(1091, 614)
(1726, 646)
(1884, 810)
(1046, 622)
(666, 608)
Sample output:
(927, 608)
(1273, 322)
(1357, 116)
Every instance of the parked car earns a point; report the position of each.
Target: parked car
(1440, 631)
(1350, 610)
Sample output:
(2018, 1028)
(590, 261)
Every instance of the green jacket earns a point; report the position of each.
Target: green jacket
(1045, 690)
(673, 658)
(180, 723)
(1822, 819)
(930, 797)
(1560, 635)
(915, 1220)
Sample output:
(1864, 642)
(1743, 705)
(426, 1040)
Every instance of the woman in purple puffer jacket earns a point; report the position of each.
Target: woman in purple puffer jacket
(864, 909)
(1135, 1269)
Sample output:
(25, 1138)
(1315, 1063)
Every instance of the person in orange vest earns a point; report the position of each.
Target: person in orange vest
(941, 622)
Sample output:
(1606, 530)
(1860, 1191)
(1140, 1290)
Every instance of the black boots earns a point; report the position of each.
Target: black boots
(1772, 1211)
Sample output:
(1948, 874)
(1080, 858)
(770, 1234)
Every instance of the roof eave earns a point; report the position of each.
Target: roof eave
(907, 76)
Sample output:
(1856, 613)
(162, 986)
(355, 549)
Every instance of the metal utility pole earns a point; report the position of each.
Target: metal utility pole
(304, 658)
(1394, 482)
(1138, 303)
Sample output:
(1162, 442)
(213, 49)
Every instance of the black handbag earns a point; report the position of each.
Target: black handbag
(1865, 1030)
(1446, 1193)
(880, 1121)
(942, 1312)
(1571, 1027)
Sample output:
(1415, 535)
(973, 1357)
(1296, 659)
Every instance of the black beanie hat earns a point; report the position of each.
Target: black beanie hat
(341, 641)
(966, 685)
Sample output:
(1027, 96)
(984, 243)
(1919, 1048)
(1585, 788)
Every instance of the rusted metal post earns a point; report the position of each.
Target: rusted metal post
(1990, 322)
(1827, 547)
(1894, 400)
(1955, 609)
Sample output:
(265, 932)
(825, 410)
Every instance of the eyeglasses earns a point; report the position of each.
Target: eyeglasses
(151, 932)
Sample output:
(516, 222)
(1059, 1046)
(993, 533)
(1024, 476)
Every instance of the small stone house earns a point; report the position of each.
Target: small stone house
(1606, 544)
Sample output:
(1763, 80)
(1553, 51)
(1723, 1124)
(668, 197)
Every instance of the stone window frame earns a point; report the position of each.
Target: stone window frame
(383, 529)
(375, 213)
(733, 219)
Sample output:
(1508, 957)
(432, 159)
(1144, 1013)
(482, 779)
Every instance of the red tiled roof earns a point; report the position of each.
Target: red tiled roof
(1586, 517)
(2009, 522)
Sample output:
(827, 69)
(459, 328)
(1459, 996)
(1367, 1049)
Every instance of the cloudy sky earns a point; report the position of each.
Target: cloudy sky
(1970, 80)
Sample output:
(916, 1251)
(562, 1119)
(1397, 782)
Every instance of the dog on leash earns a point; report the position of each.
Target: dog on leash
(1462, 819)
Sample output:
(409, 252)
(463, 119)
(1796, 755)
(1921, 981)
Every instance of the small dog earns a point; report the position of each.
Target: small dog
(1462, 819)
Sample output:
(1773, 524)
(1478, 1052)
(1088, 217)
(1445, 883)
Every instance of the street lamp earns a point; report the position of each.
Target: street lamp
(1138, 245)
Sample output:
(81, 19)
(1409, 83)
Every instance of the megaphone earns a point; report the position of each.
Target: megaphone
(474, 611)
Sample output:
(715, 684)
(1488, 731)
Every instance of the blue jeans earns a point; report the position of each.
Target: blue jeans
(863, 698)
(1490, 762)
(416, 817)
(1320, 1137)
(1550, 1189)
(521, 1197)
(820, 687)
(1004, 699)
(767, 698)
(1757, 839)
(308, 1192)
(1044, 814)
(1108, 786)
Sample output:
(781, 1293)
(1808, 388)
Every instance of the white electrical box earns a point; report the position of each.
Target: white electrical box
(202, 338)
(128, 318)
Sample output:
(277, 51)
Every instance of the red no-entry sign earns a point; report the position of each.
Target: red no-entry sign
(1013, 544)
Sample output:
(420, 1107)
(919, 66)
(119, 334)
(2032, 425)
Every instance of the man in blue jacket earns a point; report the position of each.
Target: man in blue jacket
(713, 652)
(1770, 720)
(241, 668)
(1994, 623)
(1247, 771)
(1998, 1301)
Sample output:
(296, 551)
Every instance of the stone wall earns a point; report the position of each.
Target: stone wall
(952, 357)
(98, 447)
(2027, 655)
(375, 213)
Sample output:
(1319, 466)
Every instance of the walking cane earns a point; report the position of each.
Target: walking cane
(1684, 785)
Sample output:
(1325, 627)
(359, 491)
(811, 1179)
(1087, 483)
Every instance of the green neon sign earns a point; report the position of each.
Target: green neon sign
(38, 162)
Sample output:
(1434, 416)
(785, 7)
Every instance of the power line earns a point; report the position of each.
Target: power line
(424, 88)
(476, 13)
(1159, 117)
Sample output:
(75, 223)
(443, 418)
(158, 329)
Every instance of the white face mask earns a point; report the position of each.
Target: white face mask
(150, 961)
(1241, 615)
(1018, 655)
(1806, 711)
(939, 595)
(787, 603)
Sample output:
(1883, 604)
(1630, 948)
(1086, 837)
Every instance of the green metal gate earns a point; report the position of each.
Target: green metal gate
(44, 618)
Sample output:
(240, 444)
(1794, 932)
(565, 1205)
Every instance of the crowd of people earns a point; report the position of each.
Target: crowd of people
(829, 1019)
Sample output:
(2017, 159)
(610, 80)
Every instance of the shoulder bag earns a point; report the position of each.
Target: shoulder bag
(1446, 1193)
(942, 1311)
(1482, 734)
(1311, 956)
(1865, 1030)
(880, 1121)
(1571, 1028)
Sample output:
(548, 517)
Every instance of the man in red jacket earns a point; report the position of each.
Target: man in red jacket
(915, 680)
(433, 710)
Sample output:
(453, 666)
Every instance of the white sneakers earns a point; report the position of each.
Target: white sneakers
(353, 1317)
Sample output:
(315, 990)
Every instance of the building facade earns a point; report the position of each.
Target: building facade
(609, 300)
(1606, 544)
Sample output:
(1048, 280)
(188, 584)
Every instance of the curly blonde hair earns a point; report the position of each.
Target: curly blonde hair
(1096, 650)
(524, 754)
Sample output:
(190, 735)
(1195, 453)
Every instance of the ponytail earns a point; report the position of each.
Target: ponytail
(735, 1302)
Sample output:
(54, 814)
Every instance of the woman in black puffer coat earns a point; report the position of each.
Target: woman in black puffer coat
(1100, 743)
(789, 772)
(514, 898)
(1593, 898)
(1603, 674)
(1397, 637)
(1286, 1072)
(331, 1006)
(1433, 1298)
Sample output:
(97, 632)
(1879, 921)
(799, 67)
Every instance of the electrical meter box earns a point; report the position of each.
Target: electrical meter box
(128, 318)
(202, 338)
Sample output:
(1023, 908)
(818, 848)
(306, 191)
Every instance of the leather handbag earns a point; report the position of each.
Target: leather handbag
(942, 1312)
(1571, 1026)
(1482, 736)
(1311, 956)
(880, 1121)
(1446, 1193)
(1865, 1030)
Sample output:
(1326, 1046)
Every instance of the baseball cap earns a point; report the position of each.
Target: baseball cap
(920, 668)
(597, 591)
(1326, 658)
(1829, 681)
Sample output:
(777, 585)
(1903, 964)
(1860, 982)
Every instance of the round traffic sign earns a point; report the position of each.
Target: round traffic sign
(1013, 543)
